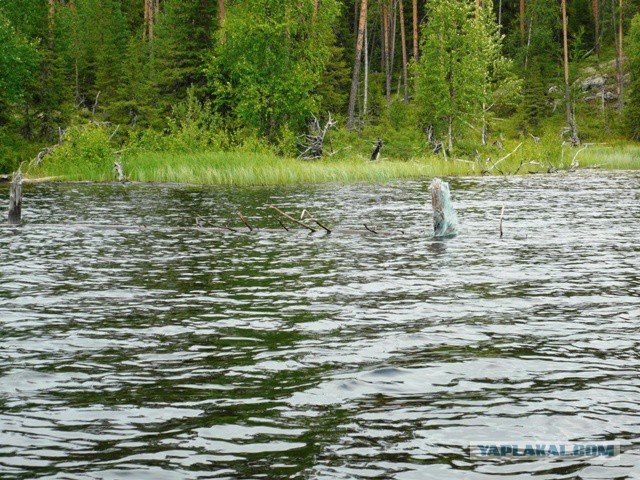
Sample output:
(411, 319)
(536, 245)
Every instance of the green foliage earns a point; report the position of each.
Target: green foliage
(454, 74)
(85, 144)
(19, 59)
(632, 112)
(269, 62)
(183, 37)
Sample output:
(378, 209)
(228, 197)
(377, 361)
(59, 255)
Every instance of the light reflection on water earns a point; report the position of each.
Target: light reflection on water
(159, 351)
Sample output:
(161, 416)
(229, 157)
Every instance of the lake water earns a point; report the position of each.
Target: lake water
(157, 351)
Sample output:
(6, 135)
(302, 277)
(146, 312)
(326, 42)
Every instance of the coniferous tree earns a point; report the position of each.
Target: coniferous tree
(182, 42)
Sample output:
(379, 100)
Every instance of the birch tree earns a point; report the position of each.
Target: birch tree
(455, 70)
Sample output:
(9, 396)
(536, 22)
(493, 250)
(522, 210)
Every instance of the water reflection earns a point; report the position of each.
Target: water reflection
(154, 350)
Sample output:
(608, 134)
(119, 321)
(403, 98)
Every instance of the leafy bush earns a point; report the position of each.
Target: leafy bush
(84, 146)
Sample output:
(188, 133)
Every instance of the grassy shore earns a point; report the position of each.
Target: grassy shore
(239, 168)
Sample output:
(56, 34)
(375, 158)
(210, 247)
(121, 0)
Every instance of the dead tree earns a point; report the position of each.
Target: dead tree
(312, 144)
(437, 145)
(375, 155)
(15, 199)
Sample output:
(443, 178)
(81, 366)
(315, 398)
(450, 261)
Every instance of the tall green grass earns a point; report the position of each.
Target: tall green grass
(242, 168)
(236, 168)
(620, 157)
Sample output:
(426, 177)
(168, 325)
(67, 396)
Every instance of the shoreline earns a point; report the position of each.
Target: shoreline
(255, 169)
(5, 179)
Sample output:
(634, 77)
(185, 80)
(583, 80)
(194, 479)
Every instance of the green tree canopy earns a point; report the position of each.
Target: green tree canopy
(270, 59)
(460, 45)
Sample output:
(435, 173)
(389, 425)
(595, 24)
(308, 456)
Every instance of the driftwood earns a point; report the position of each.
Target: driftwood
(312, 218)
(244, 220)
(15, 199)
(501, 218)
(286, 215)
(117, 168)
(312, 144)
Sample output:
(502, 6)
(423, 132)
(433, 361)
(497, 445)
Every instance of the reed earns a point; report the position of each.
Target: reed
(242, 168)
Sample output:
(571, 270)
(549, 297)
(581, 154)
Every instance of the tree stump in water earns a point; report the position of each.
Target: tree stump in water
(15, 199)
(445, 220)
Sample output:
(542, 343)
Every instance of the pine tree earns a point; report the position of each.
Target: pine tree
(182, 41)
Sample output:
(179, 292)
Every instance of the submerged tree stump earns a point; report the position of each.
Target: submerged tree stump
(15, 199)
(445, 219)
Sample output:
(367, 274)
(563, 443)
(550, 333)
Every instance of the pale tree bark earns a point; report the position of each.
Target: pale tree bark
(567, 87)
(393, 27)
(404, 53)
(416, 52)
(356, 65)
(621, 61)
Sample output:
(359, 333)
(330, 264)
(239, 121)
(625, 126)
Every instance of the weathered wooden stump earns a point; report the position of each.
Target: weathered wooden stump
(15, 199)
(445, 220)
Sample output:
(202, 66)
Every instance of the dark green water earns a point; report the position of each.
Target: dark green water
(160, 352)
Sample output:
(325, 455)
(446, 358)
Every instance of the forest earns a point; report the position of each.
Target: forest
(150, 82)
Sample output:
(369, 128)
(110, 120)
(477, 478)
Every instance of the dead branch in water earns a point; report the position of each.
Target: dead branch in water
(286, 215)
(200, 220)
(306, 212)
(244, 220)
(501, 218)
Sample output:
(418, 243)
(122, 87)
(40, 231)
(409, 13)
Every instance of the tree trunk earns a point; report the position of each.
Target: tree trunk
(617, 43)
(315, 10)
(620, 62)
(356, 66)
(450, 133)
(595, 5)
(52, 19)
(393, 27)
(567, 87)
(522, 22)
(385, 48)
(404, 54)
(221, 13)
(366, 70)
(74, 13)
(415, 30)
(15, 199)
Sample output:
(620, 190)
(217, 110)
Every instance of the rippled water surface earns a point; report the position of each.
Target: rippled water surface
(158, 351)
